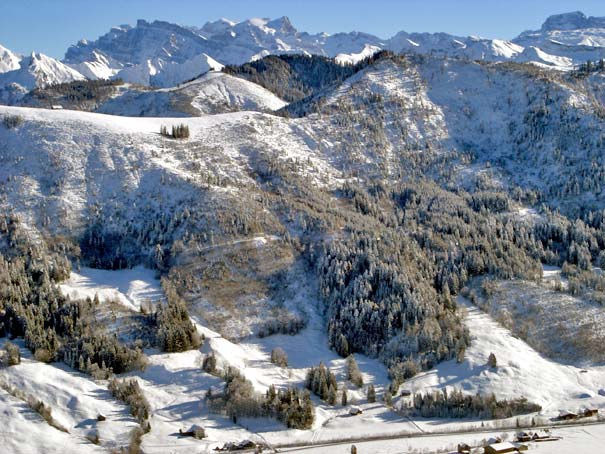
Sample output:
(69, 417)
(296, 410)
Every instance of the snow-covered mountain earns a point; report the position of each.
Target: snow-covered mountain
(571, 36)
(34, 71)
(157, 53)
(163, 54)
(39, 70)
(9, 61)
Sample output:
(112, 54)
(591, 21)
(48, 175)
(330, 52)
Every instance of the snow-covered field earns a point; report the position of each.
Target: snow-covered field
(521, 371)
(131, 288)
(75, 401)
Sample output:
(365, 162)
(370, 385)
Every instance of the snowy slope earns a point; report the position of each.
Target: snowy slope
(75, 401)
(84, 158)
(214, 92)
(437, 105)
(158, 53)
(138, 53)
(97, 67)
(574, 440)
(130, 289)
(164, 54)
(25, 432)
(521, 371)
(65, 161)
(351, 59)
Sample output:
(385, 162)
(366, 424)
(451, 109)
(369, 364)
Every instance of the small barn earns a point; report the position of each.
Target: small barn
(525, 436)
(463, 448)
(194, 431)
(589, 412)
(500, 448)
(567, 416)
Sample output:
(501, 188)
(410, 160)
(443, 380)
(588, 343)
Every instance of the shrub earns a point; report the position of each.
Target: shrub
(13, 353)
(344, 397)
(371, 394)
(491, 361)
(199, 433)
(279, 357)
(209, 364)
(180, 131)
(45, 411)
(136, 439)
(12, 121)
(130, 392)
(93, 437)
(43, 355)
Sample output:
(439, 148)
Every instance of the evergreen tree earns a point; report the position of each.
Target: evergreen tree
(371, 394)
(491, 361)
(332, 396)
(209, 363)
(353, 372)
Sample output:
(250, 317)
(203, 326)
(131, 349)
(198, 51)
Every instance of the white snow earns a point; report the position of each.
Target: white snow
(353, 58)
(217, 88)
(587, 439)
(24, 432)
(129, 287)
(165, 54)
(75, 401)
(521, 371)
(9, 61)
(98, 67)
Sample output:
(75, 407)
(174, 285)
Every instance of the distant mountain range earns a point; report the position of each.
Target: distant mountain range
(162, 54)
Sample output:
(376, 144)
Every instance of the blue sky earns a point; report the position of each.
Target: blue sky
(50, 26)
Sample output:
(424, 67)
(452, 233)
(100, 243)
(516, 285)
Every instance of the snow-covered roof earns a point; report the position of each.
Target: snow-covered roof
(502, 447)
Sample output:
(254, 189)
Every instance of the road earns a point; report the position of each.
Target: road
(300, 447)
